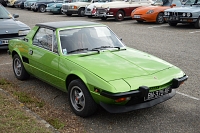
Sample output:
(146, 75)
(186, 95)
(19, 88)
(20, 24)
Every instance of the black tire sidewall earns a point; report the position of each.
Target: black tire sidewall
(24, 75)
(90, 105)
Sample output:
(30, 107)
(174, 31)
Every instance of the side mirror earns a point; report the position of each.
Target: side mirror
(172, 5)
(15, 15)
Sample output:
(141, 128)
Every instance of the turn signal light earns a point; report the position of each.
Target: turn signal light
(122, 99)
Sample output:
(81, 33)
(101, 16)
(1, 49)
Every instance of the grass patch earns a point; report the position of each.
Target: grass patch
(4, 82)
(56, 123)
(14, 120)
(58, 118)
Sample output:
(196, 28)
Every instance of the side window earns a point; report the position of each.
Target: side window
(44, 39)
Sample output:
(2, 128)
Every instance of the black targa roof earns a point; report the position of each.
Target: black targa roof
(62, 24)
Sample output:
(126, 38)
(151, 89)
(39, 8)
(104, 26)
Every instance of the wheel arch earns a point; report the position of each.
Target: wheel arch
(73, 76)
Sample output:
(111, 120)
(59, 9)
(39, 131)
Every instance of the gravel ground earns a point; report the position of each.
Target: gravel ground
(177, 45)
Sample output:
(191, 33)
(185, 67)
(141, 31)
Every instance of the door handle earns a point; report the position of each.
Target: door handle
(30, 52)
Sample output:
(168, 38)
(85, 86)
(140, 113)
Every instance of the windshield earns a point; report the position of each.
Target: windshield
(4, 14)
(89, 38)
(191, 2)
(168, 2)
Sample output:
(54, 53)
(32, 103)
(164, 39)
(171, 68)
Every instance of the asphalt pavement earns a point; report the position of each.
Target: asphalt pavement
(178, 45)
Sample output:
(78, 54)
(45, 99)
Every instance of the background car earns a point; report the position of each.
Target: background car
(41, 5)
(10, 28)
(19, 4)
(56, 8)
(2, 2)
(77, 7)
(90, 10)
(92, 64)
(120, 9)
(155, 12)
(28, 3)
(189, 13)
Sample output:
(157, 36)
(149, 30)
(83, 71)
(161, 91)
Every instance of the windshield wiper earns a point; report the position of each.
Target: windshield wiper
(4, 18)
(77, 50)
(102, 47)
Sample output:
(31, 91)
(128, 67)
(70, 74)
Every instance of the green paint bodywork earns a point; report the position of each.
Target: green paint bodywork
(113, 71)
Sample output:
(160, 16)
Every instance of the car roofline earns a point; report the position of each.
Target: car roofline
(62, 24)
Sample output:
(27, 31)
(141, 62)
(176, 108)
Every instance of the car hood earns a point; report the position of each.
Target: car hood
(184, 9)
(11, 26)
(97, 4)
(78, 3)
(147, 8)
(121, 64)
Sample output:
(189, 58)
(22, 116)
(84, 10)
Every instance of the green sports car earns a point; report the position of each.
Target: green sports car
(92, 64)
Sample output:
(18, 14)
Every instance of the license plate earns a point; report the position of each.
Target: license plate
(157, 94)
(3, 42)
(173, 18)
(136, 16)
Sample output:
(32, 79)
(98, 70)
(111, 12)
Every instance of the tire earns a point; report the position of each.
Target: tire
(35, 10)
(197, 24)
(172, 24)
(69, 14)
(18, 68)
(80, 100)
(42, 8)
(160, 18)
(139, 21)
(103, 18)
(81, 12)
(119, 16)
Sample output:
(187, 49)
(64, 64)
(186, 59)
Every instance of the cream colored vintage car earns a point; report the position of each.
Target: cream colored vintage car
(120, 9)
(10, 3)
(77, 7)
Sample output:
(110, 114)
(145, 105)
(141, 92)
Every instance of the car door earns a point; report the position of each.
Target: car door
(45, 57)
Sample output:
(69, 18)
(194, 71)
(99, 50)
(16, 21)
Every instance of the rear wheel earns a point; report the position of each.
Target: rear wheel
(80, 99)
(81, 12)
(19, 69)
(42, 8)
(197, 23)
(172, 24)
(160, 19)
(119, 16)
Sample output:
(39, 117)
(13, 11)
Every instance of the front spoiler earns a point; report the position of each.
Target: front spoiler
(123, 109)
(140, 93)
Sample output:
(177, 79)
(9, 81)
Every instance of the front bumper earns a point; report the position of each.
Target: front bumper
(179, 19)
(104, 15)
(137, 98)
(69, 11)
(4, 41)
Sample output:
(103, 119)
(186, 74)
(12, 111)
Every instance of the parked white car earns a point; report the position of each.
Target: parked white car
(77, 7)
(90, 10)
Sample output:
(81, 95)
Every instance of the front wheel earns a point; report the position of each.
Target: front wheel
(160, 18)
(42, 8)
(172, 24)
(80, 99)
(81, 12)
(103, 18)
(119, 16)
(197, 23)
(19, 69)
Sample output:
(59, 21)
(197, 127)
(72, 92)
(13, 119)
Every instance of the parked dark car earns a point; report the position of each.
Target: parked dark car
(41, 5)
(3, 2)
(10, 28)
(19, 4)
